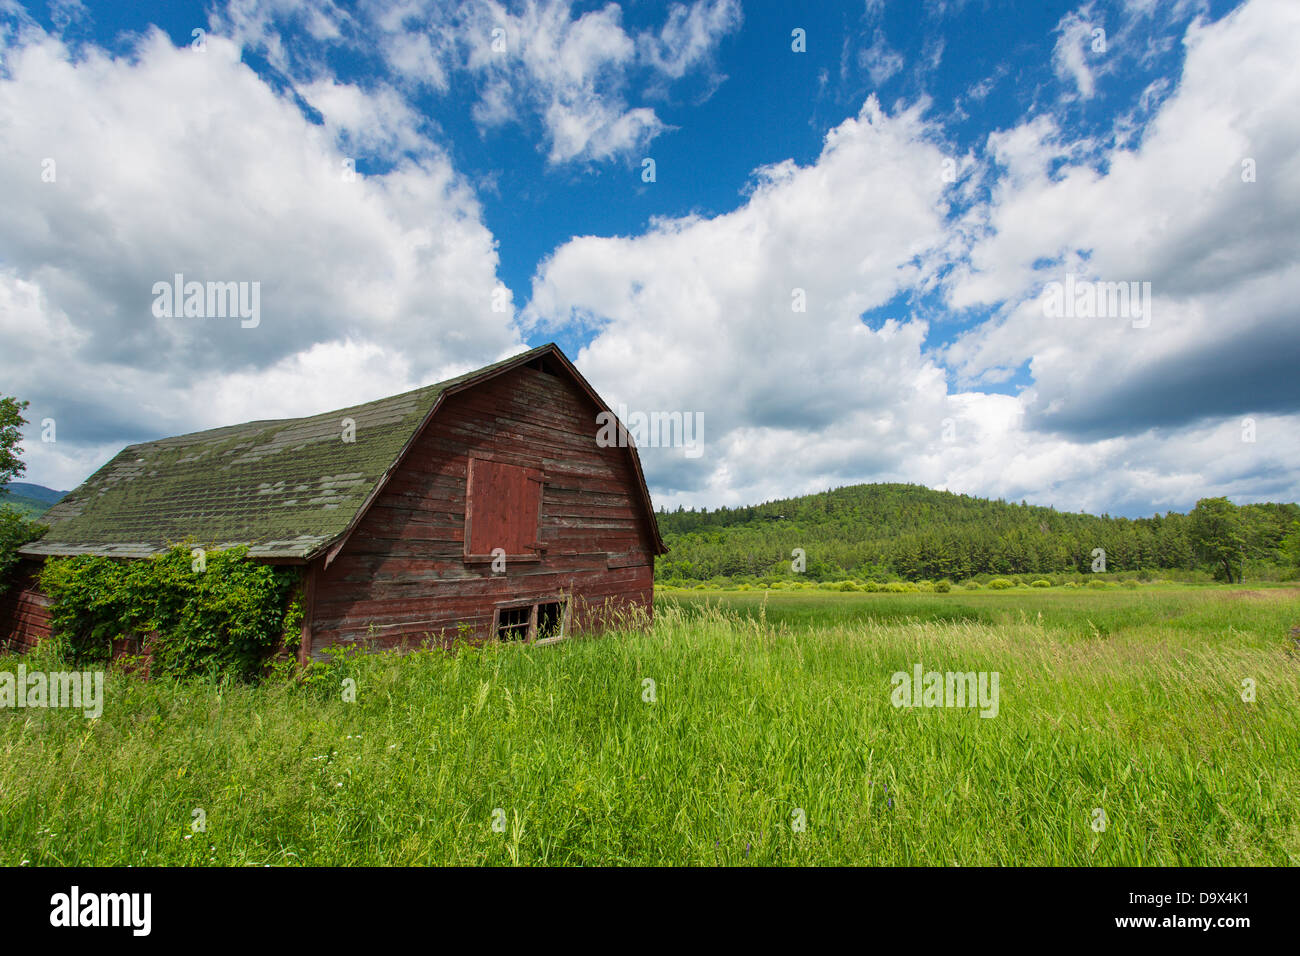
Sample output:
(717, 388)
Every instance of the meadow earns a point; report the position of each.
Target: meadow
(741, 728)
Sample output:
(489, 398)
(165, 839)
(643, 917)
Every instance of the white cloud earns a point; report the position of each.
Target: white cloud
(175, 161)
(535, 62)
(574, 72)
(378, 121)
(1071, 55)
(1222, 255)
(171, 160)
(880, 61)
(694, 314)
(689, 36)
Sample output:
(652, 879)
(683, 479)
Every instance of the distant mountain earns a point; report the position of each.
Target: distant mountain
(46, 495)
(28, 498)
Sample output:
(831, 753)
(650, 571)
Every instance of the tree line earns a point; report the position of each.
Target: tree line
(882, 531)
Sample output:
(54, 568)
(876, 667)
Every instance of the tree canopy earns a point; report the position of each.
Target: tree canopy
(15, 529)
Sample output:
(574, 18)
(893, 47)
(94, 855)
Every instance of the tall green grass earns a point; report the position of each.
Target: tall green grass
(1253, 610)
(759, 712)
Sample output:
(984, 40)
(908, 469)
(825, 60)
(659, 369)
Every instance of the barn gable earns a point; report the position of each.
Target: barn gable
(290, 490)
(511, 466)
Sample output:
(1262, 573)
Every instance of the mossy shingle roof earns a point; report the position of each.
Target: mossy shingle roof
(285, 488)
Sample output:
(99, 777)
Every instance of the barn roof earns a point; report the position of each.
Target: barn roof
(288, 489)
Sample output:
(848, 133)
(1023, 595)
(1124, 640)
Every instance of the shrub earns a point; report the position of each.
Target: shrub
(1099, 584)
(227, 618)
(1000, 584)
(15, 531)
(1040, 583)
(972, 585)
(943, 586)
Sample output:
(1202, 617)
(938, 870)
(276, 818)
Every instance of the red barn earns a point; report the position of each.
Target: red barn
(483, 506)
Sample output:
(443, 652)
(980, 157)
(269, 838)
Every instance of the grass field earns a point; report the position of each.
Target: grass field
(768, 711)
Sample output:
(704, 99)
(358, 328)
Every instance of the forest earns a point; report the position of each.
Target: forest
(909, 532)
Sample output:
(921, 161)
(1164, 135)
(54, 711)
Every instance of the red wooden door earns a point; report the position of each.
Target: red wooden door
(502, 509)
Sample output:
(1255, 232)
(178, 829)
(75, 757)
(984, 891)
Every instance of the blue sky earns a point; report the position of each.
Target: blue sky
(919, 172)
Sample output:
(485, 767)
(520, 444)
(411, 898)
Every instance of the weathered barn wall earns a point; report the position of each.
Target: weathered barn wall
(402, 577)
(24, 610)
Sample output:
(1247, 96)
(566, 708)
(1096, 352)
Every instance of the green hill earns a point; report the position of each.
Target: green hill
(28, 499)
(908, 531)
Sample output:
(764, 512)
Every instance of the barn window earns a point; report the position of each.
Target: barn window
(539, 623)
(503, 505)
(514, 623)
(545, 364)
(550, 621)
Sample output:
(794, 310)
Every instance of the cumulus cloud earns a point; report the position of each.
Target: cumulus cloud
(120, 172)
(1180, 211)
(705, 314)
(695, 313)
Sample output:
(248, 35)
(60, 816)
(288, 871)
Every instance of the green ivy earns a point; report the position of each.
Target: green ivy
(226, 616)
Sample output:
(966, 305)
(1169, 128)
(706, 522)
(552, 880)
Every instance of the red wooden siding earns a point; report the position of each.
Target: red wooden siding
(403, 578)
(24, 610)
